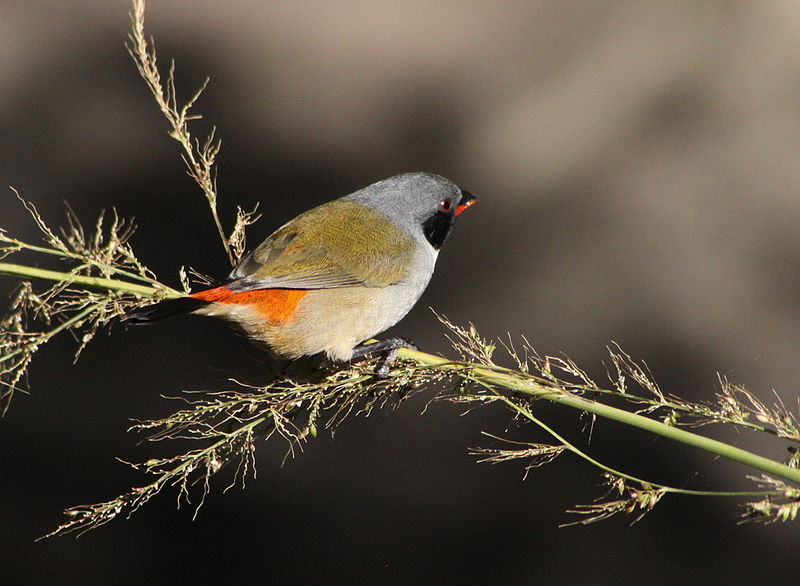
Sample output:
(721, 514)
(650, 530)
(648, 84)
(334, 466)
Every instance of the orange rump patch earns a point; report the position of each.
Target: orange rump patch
(276, 305)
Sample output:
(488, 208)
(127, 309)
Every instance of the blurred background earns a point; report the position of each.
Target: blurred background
(638, 170)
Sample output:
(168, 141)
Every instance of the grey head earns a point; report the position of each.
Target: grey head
(423, 204)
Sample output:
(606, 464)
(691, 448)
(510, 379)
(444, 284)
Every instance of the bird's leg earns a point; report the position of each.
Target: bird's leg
(388, 348)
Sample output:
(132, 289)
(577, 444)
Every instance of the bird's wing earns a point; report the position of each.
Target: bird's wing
(338, 244)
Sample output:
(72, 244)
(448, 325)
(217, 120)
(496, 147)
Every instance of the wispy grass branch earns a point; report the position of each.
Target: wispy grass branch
(199, 156)
(105, 279)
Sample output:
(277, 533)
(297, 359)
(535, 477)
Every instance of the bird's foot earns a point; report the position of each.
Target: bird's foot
(387, 348)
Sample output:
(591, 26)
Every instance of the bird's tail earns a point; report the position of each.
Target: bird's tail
(164, 309)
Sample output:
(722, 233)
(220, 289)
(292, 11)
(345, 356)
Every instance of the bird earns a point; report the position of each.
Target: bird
(336, 275)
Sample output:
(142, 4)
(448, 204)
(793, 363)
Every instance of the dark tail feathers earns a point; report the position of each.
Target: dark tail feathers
(163, 309)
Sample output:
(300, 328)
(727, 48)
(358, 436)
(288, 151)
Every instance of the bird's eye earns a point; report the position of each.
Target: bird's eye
(445, 205)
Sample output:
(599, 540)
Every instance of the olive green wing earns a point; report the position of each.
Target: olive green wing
(337, 244)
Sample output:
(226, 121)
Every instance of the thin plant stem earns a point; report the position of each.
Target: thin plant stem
(88, 281)
(45, 336)
(580, 453)
(667, 404)
(199, 159)
(19, 244)
(531, 388)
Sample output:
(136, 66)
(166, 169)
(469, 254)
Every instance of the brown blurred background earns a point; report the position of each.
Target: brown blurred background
(638, 170)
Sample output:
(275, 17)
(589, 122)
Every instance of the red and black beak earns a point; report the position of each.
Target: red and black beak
(467, 200)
